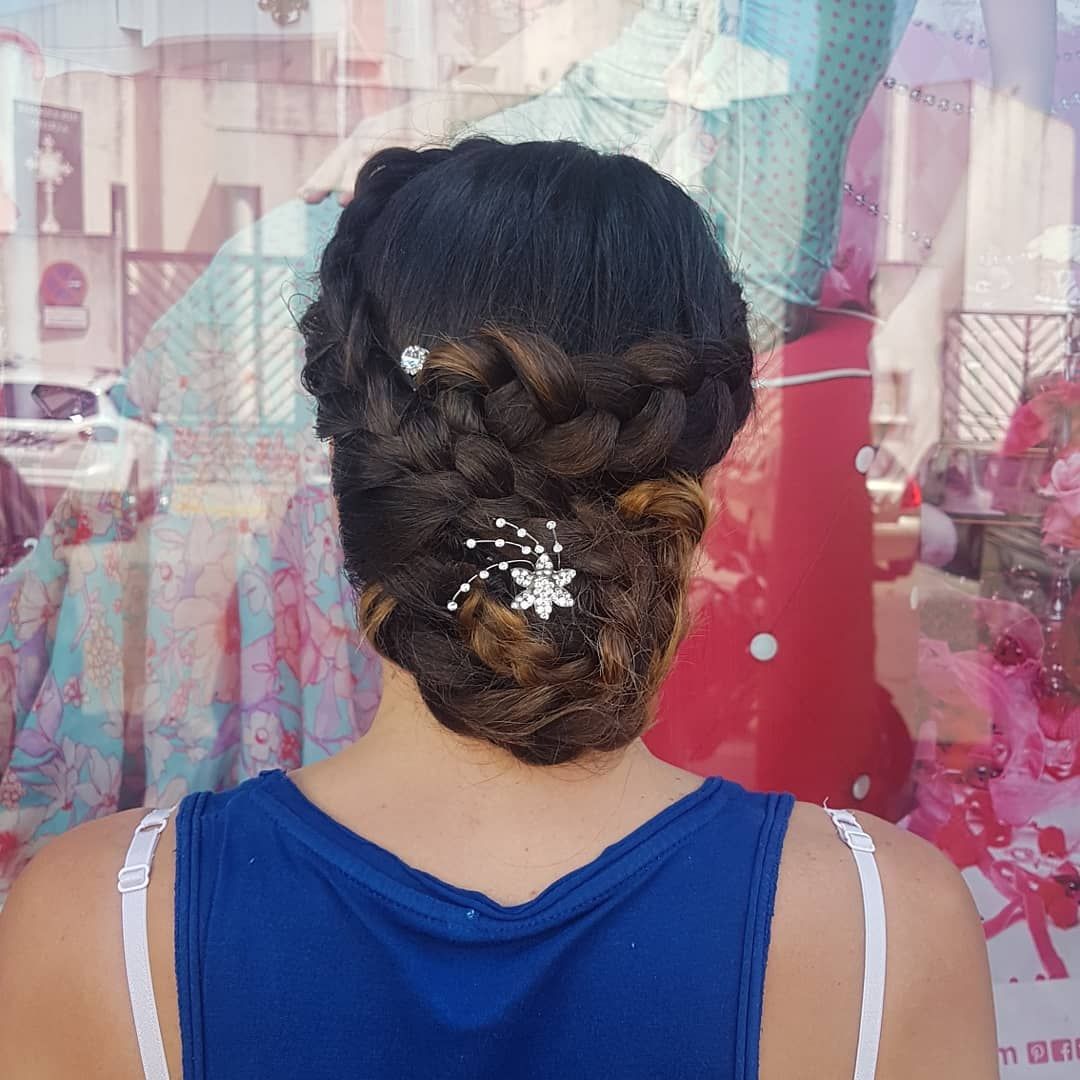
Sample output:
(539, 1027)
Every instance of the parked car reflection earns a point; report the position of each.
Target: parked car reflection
(63, 431)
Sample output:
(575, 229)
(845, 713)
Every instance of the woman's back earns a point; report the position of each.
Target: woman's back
(647, 961)
(284, 944)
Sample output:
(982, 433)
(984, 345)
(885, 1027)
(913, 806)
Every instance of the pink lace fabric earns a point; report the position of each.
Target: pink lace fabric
(997, 778)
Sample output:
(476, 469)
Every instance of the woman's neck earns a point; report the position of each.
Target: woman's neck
(473, 814)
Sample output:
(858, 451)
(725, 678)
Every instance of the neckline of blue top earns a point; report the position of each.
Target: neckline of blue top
(383, 873)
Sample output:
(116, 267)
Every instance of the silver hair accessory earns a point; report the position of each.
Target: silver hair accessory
(542, 582)
(412, 360)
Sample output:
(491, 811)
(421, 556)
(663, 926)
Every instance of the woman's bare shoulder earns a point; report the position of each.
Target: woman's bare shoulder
(62, 976)
(939, 1018)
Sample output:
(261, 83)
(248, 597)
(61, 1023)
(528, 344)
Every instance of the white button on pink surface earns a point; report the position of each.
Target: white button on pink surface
(764, 647)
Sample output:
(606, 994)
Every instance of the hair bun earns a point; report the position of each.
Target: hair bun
(505, 424)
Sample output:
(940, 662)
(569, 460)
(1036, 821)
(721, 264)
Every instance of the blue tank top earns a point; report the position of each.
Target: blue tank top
(303, 950)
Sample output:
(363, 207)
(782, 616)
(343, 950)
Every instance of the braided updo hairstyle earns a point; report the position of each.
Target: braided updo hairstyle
(590, 360)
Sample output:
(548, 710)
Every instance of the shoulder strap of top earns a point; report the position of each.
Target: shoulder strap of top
(873, 995)
(131, 882)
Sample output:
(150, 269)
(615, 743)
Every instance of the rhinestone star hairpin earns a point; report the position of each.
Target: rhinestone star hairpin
(412, 360)
(542, 583)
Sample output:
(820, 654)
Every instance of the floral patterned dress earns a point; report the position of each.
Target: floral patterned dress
(143, 657)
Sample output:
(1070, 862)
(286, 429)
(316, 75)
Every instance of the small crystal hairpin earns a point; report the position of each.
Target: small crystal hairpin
(412, 360)
(542, 583)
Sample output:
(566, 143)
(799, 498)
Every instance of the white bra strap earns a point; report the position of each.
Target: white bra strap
(873, 996)
(132, 881)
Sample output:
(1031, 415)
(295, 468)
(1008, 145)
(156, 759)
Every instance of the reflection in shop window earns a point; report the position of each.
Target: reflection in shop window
(897, 183)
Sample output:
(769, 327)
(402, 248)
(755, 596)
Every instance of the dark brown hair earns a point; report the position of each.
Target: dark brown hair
(590, 360)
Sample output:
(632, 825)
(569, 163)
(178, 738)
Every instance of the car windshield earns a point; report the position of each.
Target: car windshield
(48, 401)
